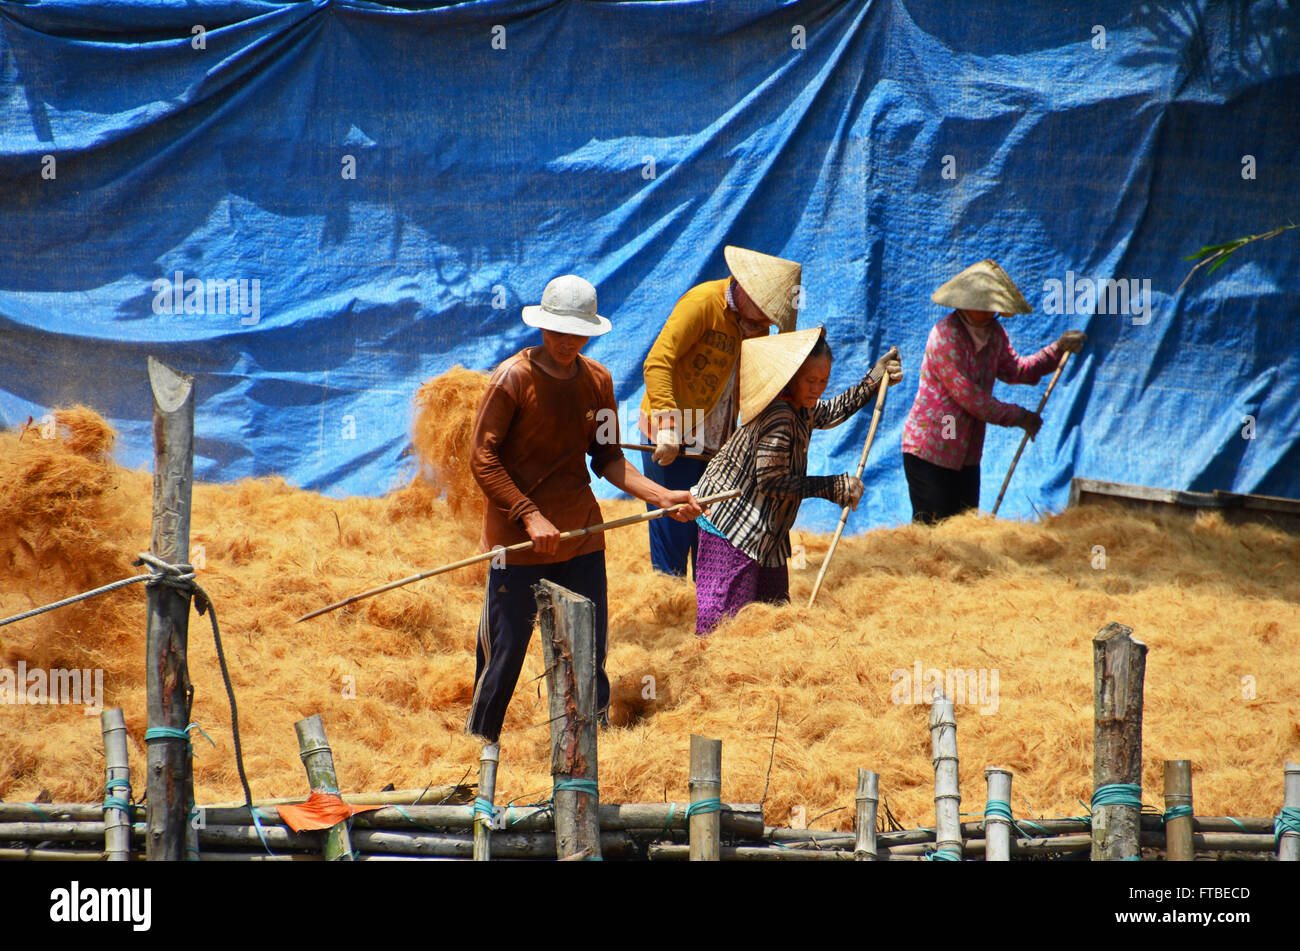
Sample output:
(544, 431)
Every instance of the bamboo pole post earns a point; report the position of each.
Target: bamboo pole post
(862, 467)
(318, 761)
(1024, 440)
(484, 805)
(947, 791)
(864, 848)
(568, 625)
(997, 827)
(1119, 669)
(169, 777)
(117, 786)
(1288, 844)
(1178, 798)
(706, 790)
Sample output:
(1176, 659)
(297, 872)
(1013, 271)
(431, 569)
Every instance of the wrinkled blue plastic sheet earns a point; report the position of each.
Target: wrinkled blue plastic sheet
(366, 195)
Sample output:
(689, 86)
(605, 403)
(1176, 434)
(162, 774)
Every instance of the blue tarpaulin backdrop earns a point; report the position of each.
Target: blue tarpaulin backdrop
(316, 206)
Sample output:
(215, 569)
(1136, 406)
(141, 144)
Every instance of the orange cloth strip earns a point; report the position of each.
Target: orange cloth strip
(321, 811)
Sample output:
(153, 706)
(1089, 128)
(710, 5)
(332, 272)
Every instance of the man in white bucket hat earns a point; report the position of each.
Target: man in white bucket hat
(943, 438)
(545, 410)
(690, 377)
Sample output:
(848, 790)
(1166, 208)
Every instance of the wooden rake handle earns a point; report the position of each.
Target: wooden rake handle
(521, 546)
(862, 466)
(1024, 440)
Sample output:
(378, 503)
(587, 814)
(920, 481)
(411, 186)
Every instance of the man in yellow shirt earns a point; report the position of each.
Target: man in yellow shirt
(690, 378)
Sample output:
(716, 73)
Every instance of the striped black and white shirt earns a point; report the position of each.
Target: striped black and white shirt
(767, 459)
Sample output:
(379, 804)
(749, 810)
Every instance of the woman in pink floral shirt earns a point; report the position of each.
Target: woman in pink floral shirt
(967, 350)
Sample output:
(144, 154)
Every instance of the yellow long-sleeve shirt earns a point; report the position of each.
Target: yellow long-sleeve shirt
(692, 361)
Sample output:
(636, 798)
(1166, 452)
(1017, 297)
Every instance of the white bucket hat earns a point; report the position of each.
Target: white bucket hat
(770, 282)
(569, 307)
(982, 286)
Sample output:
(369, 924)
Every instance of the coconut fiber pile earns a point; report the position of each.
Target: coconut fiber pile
(1013, 605)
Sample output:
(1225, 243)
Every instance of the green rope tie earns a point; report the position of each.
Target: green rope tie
(672, 809)
(482, 807)
(998, 809)
(588, 786)
(1177, 812)
(943, 855)
(175, 733)
(711, 804)
(1239, 825)
(1118, 794)
(1288, 820)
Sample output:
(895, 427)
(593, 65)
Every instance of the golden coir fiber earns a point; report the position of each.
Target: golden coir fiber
(1219, 607)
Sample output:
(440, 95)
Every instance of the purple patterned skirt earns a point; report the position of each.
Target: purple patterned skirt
(726, 579)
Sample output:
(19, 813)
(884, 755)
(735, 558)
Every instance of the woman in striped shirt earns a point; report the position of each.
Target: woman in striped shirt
(745, 541)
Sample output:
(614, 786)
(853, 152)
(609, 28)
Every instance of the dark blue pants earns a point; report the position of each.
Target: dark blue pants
(506, 627)
(672, 542)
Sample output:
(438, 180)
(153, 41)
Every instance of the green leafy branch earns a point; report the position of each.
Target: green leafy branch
(1216, 254)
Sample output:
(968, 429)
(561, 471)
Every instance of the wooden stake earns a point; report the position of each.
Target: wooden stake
(487, 786)
(947, 791)
(1024, 440)
(997, 830)
(862, 466)
(314, 751)
(521, 546)
(705, 783)
(864, 849)
(117, 822)
(1288, 847)
(1119, 669)
(568, 625)
(169, 779)
(1178, 792)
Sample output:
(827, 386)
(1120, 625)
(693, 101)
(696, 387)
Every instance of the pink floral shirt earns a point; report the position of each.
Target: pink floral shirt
(955, 399)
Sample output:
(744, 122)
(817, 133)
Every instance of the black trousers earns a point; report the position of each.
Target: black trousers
(938, 493)
(506, 627)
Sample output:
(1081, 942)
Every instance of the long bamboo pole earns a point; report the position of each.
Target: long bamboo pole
(521, 546)
(862, 466)
(1024, 440)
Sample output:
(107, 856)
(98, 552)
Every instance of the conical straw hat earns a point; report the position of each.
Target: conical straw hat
(769, 281)
(767, 364)
(982, 286)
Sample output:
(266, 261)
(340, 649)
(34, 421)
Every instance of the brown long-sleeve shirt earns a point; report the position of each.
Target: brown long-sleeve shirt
(532, 436)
